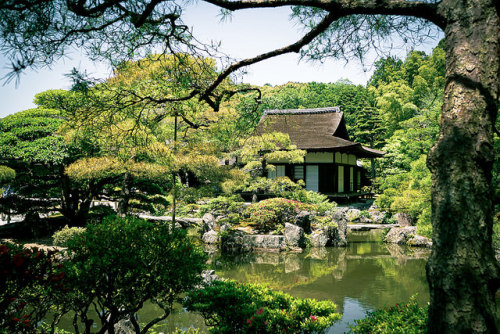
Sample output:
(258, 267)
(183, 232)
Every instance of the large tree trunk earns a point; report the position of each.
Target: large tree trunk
(462, 270)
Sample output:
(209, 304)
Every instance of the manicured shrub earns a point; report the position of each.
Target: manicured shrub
(29, 281)
(271, 213)
(61, 237)
(223, 205)
(117, 265)
(408, 318)
(233, 307)
(323, 204)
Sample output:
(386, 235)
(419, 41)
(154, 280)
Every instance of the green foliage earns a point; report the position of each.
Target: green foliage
(121, 263)
(407, 318)
(6, 174)
(271, 213)
(61, 237)
(410, 193)
(324, 221)
(223, 205)
(280, 186)
(259, 310)
(29, 281)
(31, 136)
(322, 204)
(256, 151)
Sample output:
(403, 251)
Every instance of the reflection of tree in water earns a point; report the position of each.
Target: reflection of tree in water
(281, 271)
(371, 272)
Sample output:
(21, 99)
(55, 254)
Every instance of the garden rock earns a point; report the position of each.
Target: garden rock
(340, 214)
(405, 219)
(210, 237)
(234, 242)
(294, 235)
(377, 216)
(123, 326)
(209, 223)
(400, 235)
(209, 276)
(420, 241)
(365, 220)
(266, 241)
(353, 214)
(319, 238)
(340, 238)
(303, 219)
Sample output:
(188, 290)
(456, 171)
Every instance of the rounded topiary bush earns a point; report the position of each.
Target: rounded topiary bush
(61, 237)
(271, 213)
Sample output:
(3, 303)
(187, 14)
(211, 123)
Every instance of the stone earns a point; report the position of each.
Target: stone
(364, 220)
(208, 223)
(353, 214)
(419, 241)
(266, 241)
(123, 326)
(319, 238)
(209, 276)
(225, 227)
(405, 219)
(294, 235)
(210, 237)
(340, 238)
(303, 219)
(400, 235)
(377, 216)
(340, 214)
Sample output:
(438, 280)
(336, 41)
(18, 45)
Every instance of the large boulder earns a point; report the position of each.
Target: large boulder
(340, 238)
(340, 214)
(266, 241)
(294, 235)
(335, 236)
(234, 242)
(400, 235)
(208, 223)
(405, 219)
(303, 219)
(319, 238)
(353, 214)
(210, 237)
(377, 216)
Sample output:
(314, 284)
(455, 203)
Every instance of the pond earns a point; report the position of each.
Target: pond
(364, 276)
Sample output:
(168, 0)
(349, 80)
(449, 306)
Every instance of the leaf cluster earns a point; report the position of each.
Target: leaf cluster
(117, 265)
(260, 310)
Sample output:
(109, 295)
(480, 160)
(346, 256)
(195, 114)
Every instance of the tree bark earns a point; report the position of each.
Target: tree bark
(462, 270)
(123, 203)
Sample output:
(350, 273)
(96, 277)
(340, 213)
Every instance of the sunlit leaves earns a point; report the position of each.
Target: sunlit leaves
(111, 167)
(6, 174)
(256, 151)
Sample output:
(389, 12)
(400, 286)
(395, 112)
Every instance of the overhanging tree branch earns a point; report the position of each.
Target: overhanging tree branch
(421, 9)
(295, 47)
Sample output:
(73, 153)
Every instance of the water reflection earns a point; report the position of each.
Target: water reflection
(364, 276)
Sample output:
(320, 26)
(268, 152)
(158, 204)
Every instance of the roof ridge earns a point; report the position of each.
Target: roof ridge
(302, 111)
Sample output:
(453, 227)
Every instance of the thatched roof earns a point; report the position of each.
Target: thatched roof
(320, 129)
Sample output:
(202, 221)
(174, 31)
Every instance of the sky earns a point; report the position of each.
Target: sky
(247, 33)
